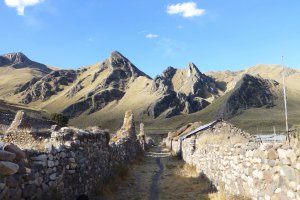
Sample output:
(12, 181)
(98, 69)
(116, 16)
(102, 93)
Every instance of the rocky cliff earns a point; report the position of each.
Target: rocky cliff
(249, 92)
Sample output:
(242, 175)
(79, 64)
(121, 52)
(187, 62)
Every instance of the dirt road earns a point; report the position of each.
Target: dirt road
(160, 176)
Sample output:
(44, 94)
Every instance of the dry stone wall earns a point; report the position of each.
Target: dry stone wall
(70, 163)
(243, 167)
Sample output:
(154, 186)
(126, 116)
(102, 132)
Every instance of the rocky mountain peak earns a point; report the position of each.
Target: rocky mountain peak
(19, 60)
(116, 55)
(13, 58)
(17, 57)
(122, 67)
(169, 72)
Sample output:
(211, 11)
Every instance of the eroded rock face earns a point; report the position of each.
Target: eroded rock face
(93, 102)
(184, 91)
(47, 86)
(250, 92)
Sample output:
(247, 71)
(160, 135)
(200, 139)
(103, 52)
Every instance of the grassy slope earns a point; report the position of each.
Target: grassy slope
(138, 98)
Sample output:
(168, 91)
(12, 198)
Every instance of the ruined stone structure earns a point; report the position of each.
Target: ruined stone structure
(21, 121)
(69, 163)
(241, 167)
(142, 137)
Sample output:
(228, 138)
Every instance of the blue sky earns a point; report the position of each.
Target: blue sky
(153, 34)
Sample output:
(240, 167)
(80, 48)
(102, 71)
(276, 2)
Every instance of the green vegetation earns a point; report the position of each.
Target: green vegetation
(60, 119)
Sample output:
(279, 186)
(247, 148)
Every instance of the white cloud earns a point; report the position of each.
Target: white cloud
(151, 36)
(21, 4)
(186, 9)
(180, 27)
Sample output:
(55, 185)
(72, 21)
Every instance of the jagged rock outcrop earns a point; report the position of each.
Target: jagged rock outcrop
(184, 91)
(120, 73)
(249, 92)
(47, 86)
(19, 60)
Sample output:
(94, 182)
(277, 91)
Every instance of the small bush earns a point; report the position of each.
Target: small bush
(60, 119)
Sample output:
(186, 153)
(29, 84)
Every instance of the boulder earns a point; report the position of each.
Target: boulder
(16, 150)
(8, 168)
(7, 156)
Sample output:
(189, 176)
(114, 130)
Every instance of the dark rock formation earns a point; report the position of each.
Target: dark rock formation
(19, 60)
(250, 92)
(184, 91)
(93, 102)
(47, 86)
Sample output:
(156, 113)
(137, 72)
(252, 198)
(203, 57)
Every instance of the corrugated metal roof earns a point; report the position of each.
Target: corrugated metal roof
(201, 128)
(270, 137)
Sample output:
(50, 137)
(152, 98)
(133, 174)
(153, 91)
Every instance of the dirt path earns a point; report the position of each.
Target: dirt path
(160, 176)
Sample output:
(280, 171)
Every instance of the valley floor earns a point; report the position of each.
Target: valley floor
(160, 176)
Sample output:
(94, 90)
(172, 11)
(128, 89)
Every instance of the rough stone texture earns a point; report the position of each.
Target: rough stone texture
(47, 86)
(21, 122)
(71, 162)
(185, 95)
(128, 128)
(142, 136)
(249, 92)
(259, 171)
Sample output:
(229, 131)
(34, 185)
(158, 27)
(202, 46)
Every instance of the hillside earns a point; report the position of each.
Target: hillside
(99, 94)
(16, 69)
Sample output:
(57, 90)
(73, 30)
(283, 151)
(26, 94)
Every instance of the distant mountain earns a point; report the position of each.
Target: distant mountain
(100, 93)
(19, 60)
(16, 69)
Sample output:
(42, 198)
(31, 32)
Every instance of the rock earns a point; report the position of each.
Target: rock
(16, 150)
(288, 172)
(29, 191)
(55, 128)
(41, 157)
(11, 182)
(7, 156)
(50, 163)
(282, 153)
(272, 154)
(52, 176)
(8, 168)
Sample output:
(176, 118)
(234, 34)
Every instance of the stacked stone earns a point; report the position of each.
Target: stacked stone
(259, 171)
(141, 137)
(72, 162)
(10, 166)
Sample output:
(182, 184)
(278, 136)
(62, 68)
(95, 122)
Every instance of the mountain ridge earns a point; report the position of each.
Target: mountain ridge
(102, 91)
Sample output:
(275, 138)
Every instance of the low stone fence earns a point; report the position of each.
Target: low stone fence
(241, 167)
(70, 163)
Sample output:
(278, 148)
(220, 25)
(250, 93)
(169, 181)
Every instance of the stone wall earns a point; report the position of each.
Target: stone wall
(239, 166)
(69, 163)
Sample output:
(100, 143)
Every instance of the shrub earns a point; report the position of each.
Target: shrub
(60, 119)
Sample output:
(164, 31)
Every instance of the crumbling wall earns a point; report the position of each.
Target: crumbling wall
(69, 163)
